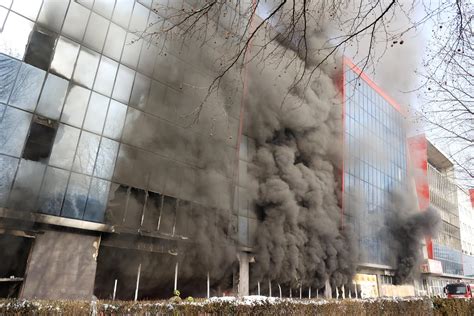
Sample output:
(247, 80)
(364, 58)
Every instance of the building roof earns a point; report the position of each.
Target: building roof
(437, 159)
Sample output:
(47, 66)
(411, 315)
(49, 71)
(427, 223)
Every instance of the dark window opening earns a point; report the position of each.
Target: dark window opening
(40, 140)
(40, 49)
(15, 251)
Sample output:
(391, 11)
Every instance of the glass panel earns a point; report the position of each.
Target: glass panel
(86, 67)
(14, 127)
(64, 146)
(123, 84)
(141, 88)
(52, 98)
(65, 57)
(147, 58)
(15, 35)
(114, 42)
(86, 153)
(75, 106)
(131, 50)
(8, 72)
(6, 3)
(8, 167)
(52, 192)
(86, 3)
(27, 8)
(40, 49)
(139, 18)
(96, 32)
(104, 167)
(96, 113)
(97, 200)
(27, 184)
(104, 7)
(27, 87)
(52, 14)
(76, 21)
(115, 119)
(243, 230)
(76, 196)
(104, 81)
(40, 140)
(122, 12)
(3, 17)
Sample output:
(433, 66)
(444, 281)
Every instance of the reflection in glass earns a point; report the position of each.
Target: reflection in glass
(75, 106)
(122, 12)
(65, 57)
(147, 58)
(76, 21)
(97, 200)
(13, 130)
(86, 153)
(52, 98)
(52, 14)
(8, 167)
(8, 71)
(76, 196)
(139, 18)
(104, 167)
(131, 50)
(27, 184)
(96, 113)
(40, 49)
(15, 35)
(105, 76)
(115, 119)
(114, 42)
(27, 8)
(27, 87)
(86, 67)
(64, 146)
(52, 191)
(96, 32)
(141, 88)
(123, 84)
(104, 7)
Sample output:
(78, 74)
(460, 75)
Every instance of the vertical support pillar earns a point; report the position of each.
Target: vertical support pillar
(115, 290)
(208, 286)
(309, 292)
(258, 288)
(243, 274)
(327, 290)
(176, 276)
(138, 280)
(270, 288)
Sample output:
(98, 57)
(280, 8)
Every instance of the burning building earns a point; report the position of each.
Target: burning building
(110, 186)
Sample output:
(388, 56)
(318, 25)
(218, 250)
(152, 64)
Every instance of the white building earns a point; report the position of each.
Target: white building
(466, 218)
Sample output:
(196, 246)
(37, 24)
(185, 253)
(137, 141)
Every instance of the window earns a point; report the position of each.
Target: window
(40, 49)
(40, 140)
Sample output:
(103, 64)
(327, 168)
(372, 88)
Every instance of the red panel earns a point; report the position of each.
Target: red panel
(471, 194)
(418, 150)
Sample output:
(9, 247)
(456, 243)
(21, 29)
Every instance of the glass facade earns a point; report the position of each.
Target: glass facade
(111, 110)
(374, 163)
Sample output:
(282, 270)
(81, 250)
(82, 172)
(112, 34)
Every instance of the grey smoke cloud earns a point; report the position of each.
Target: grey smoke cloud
(406, 228)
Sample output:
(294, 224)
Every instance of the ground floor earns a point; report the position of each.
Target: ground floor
(47, 261)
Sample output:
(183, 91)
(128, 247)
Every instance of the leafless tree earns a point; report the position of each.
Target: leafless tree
(365, 29)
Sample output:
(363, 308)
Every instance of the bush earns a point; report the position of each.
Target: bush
(246, 306)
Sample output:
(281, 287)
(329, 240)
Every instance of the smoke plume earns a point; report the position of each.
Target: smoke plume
(406, 228)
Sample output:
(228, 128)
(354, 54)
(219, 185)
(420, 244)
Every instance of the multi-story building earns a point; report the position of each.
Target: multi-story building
(100, 163)
(466, 220)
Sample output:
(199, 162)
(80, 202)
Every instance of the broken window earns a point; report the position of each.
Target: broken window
(40, 139)
(40, 49)
(15, 251)
(152, 211)
(117, 203)
(167, 216)
(134, 210)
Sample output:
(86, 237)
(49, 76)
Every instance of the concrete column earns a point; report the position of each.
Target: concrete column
(243, 274)
(327, 290)
(62, 265)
